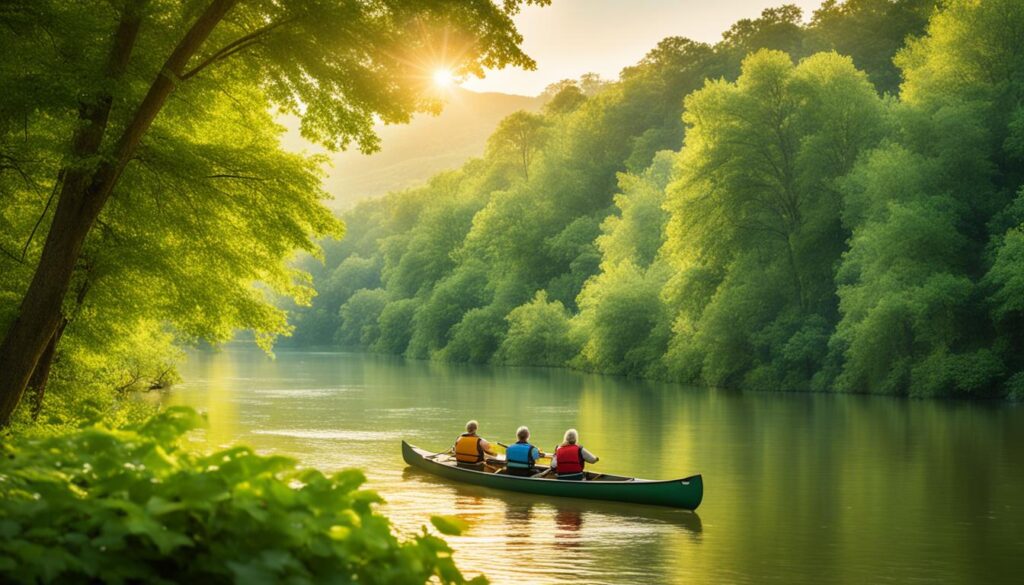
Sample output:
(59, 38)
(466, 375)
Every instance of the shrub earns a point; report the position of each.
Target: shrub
(538, 334)
(394, 325)
(113, 505)
(359, 316)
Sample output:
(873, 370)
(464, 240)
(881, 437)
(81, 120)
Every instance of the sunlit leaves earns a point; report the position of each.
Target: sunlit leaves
(450, 525)
(104, 504)
(757, 205)
(538, 335)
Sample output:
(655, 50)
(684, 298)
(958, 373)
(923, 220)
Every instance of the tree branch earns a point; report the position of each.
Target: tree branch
(11, 256)
(32, 234)
(108, 174)
(240, 177)
(235, 46)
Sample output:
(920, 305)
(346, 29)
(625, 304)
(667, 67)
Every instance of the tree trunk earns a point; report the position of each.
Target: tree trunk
(41, 375)
(798, 282)
(40, 312)
(83, 196)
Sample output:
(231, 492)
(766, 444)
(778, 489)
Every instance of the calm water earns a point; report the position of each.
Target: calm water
(799, 489)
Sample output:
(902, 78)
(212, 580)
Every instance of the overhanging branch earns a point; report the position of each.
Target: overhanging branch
(235, 46)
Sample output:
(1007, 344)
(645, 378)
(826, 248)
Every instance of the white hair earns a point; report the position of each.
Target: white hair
(522, 433)
(571, 436)
(472, 426)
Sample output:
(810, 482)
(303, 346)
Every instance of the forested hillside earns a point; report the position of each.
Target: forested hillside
(830, 204)
(411, 153)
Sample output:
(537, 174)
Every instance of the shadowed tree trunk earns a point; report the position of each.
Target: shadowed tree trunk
(41, 374)
(84, 194)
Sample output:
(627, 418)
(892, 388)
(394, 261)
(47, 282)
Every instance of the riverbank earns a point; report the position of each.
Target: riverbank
(664, 378)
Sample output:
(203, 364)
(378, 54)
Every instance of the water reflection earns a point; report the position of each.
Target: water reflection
(800, 488)
(518, 522)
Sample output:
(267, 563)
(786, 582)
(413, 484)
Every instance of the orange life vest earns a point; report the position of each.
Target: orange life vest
(569, 459)
(468, 449)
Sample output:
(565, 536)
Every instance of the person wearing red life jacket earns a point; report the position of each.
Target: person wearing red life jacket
(470, 450)
(570, 457)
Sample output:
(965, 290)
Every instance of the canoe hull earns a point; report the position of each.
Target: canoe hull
(685, 493)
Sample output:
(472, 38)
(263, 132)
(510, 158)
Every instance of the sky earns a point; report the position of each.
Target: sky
(572, 37)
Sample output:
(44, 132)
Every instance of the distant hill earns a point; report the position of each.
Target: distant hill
(413, 152)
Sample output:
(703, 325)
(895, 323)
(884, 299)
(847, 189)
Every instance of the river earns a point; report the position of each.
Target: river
(798, 488)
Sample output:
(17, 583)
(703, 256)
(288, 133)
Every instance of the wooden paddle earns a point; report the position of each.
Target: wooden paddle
(448, 452)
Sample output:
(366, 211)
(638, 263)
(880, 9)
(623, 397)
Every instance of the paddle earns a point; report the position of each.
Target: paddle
(448, 452)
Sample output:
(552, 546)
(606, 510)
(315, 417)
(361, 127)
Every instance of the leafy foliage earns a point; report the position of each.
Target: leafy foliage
(772, 212)
(177, 211)
(133, 504)
(538, 335)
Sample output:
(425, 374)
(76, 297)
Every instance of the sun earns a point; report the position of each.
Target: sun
(443, 78)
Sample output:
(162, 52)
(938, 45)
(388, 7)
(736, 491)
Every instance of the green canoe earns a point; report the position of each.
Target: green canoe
(676, 493)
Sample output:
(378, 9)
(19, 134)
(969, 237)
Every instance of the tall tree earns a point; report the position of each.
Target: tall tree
(757, 205)
(110, 70)
(928, 288)
(519, 135)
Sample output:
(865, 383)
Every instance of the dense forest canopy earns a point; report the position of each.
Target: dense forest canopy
(823, 204)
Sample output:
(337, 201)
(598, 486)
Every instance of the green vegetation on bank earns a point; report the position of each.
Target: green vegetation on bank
(834, 206)
(133, 504)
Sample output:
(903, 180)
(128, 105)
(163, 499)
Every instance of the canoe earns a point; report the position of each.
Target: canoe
(685, 493)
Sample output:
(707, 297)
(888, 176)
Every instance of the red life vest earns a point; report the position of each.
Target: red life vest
(569, 459)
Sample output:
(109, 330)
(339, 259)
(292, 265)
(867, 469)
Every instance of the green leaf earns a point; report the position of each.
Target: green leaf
(450, 525)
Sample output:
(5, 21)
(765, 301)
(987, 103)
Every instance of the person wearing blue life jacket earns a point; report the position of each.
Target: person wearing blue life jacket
(521, 457)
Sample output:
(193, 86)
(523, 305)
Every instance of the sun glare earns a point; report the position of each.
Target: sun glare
(443, 78)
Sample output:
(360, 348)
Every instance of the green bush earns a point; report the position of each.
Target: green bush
(538, 335)
(116, 505)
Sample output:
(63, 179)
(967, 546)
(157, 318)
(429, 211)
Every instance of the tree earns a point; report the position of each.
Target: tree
(519, 135)
(563, 97)
(359, 318)
(184, 264)
(778, 29)
(933, 217)
(623, 321)
(757, 207)
(871, 32)
(394, 325)
(636, 233)
(538, 335)
(337, 64)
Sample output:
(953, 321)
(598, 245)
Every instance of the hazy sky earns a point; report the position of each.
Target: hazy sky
(572, 37)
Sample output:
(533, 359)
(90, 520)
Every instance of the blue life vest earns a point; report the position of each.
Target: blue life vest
(520, 455)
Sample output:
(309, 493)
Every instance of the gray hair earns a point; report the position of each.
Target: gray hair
(472, 426)
(571, 436)
(522, 433)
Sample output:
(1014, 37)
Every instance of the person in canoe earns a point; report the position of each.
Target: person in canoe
(521, 456)
(471, 449)
(570, 457)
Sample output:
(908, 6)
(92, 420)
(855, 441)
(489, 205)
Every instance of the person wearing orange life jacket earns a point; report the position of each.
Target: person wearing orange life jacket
(570, 458)
(470, 449)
